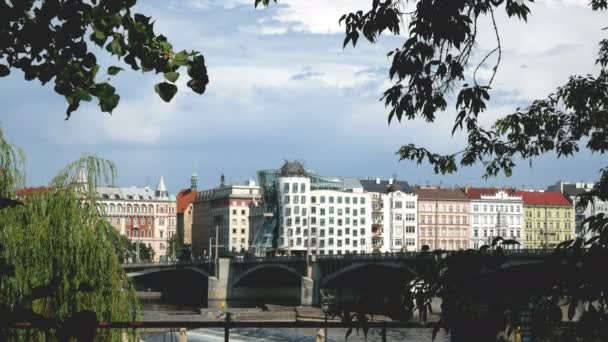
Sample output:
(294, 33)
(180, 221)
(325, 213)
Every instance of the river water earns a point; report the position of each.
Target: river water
(272, 335)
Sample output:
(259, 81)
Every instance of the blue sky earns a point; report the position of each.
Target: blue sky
(282, 87)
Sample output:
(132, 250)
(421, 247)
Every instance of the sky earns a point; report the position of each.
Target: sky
(282, 87)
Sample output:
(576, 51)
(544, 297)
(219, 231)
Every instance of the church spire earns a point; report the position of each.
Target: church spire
(194, 180)
(161, 189)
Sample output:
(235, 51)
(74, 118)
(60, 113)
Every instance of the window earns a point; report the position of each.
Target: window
(294, 187)
(398, 217)
(287, 211)
(339, 232)
(303, 199)
(313, 199)
(409, 217)
(362, 200)
(398, 205)
(354, 200)
(339, 210)
(347, 200)
(475, 233)
(410, 204)
(475, 208)
(410, 229)
(286, 187)
(322, 222)
(296, 199)
(303, 187)
(331, 199)
(286, 200)
(410, 242)
(398, 242)
(339, 199)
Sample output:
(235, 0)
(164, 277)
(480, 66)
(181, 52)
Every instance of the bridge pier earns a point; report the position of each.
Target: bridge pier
(218, 285)
(307, 295)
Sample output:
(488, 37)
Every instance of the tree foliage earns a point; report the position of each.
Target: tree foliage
(55, 40)
(434, 62)
(56, 242)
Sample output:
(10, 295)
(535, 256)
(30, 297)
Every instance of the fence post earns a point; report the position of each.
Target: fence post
(384, 333)
(227, 328)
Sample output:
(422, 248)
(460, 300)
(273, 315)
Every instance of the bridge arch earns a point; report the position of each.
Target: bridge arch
(254, 269)
(361, 265)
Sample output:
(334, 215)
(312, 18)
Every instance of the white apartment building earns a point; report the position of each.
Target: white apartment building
(394, 215)
(572, 191)
(495, 212)
(320, 215)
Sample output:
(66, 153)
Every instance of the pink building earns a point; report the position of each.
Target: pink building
(443, 218)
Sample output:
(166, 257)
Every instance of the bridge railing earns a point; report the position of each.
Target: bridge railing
(367, 256)
(167, 263)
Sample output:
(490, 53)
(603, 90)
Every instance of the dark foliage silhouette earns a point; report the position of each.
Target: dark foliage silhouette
(49, 40)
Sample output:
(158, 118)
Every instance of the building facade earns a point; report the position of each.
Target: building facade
(185, 211)
(443, 218)
(141, 214)
(223, 212)
(548, 219)
(309, 213)
(597, 206)
(394, 215)
(495, 212)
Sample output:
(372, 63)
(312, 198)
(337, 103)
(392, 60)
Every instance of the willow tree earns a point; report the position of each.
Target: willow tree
(65, 268)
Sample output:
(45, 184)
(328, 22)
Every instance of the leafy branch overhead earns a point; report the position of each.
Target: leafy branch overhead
(432, 63)
(51, 41)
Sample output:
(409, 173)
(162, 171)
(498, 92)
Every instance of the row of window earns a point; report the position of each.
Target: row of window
(235, 212)
(330, 231)
(338, 199)
(548, 237)
(444, 208)
(408, 242)
(300, 242)
(552, 225)
(443, 219)
(141, 220)
(408, 205)
(492, 219)
(449, 232)
(144, 209)
(499, 208)
(408, 217)
(313, 220)
(446, 244)
(550, 214)
(243, 221)
(294, 187)
(513, 233)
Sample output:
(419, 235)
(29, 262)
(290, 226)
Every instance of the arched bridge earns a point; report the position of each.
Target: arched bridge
(300, 282)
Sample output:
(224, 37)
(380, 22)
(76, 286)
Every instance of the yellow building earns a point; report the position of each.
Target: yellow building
(548, 219)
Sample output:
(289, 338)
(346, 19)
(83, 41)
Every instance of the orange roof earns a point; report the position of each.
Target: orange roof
(476, 193)
(184, 198)
(544, 198)
(28, 191)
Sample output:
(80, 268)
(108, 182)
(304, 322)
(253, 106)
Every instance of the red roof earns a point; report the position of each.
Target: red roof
(184, 198)
(28, 191)
(476, 193)
(544, 198)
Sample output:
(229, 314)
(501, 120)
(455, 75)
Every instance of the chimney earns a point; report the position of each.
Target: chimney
(377, 180)
(390, 181)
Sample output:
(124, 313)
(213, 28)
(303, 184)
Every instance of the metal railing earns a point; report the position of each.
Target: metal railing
(226, 325)
(352, 256)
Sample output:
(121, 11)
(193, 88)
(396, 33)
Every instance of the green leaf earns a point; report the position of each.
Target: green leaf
(165, 90)
(172, 76)
(82, 95)
(181, 58)
(113, 70)
(108, 103)
(115, 47)
(4, 70)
